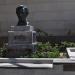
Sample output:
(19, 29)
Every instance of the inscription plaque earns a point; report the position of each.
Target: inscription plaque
(19, 37)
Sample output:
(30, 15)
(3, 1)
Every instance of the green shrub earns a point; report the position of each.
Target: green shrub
(51, 50)
(46, 50)
(68, 44)
(48, 54)
(65, 44)
(3, 52)
(44, 46)
(54, 54)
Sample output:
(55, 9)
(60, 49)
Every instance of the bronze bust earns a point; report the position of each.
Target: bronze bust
(22, 13)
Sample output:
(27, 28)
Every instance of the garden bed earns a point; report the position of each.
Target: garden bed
(44, 50)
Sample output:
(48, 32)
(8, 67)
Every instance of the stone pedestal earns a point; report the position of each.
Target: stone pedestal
(22, 37)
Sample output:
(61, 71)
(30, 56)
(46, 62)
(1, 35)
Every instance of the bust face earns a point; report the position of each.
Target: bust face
(22, 12)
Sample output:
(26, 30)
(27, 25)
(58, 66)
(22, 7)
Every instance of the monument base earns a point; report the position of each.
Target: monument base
(22, 37)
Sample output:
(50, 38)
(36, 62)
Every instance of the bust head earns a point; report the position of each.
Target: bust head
(22, 13)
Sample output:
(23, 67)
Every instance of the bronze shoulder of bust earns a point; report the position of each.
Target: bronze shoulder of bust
(22, 13)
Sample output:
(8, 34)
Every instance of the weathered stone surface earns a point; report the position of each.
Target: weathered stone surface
(21, 37)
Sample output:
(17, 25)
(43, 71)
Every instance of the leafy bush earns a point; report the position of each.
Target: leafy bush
(49, 50)
(46, 54)
(46, 50)
(65, 44)
(3, 52)
(53, 54)
(44, 46)
(68, 44)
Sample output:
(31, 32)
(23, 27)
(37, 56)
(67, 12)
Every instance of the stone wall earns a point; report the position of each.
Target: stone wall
(57, 17)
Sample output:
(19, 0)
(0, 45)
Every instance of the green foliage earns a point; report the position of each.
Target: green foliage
(48, 54)
(44, 46)
(49, 50)
(67, 44)
(54, 54)
(3, 52)
(46, 50)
